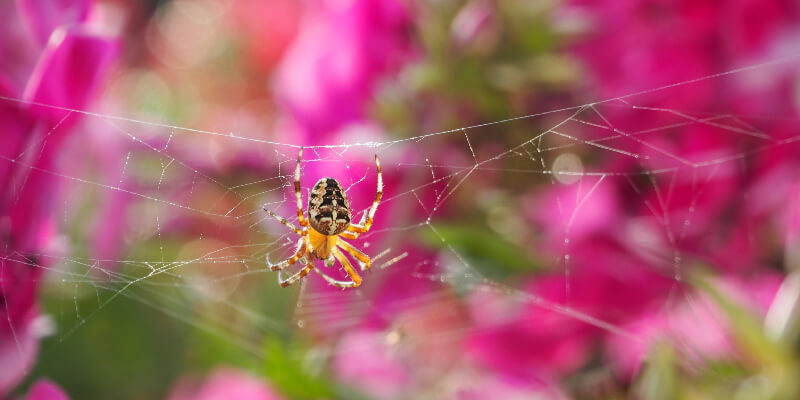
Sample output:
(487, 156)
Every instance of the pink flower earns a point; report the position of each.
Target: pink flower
(223, 384)
(46, 390)
(695, 325)
(43, 18)
(575, 211)
(628, 243)
(641, 44)
(549, 331)
(65, 75)
(404, 346)
(18, 338)
(331, 69)
(274, 19)
(366, 360)
(487, 386)
(70, 69)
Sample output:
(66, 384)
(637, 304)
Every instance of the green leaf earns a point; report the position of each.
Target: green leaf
(491, 254)
(661, 379)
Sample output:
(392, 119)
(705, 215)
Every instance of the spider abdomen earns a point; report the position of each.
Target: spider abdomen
(328, 209)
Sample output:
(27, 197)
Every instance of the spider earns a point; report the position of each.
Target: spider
(329, 220)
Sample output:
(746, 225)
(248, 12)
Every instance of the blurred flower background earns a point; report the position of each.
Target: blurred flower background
(584, 199)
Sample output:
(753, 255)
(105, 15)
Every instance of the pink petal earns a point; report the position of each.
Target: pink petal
(46, 390)
(18, 47)
(14, 125)
(44, 16)
(68, 72)
(30, 214)
(377, 369)
(17, 353)
(695, 326)
(18, 292)
(329, 71)
(224, 384)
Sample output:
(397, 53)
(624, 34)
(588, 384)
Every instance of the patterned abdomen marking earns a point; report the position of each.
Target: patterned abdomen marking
(328, 209)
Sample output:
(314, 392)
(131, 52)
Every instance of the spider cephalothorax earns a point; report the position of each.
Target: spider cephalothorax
(329, 219)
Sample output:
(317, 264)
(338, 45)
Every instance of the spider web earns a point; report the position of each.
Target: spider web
(203, 219)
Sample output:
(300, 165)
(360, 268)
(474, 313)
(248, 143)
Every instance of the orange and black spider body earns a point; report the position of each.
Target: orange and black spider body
(328, 209)
(328, 215)
(322, 234)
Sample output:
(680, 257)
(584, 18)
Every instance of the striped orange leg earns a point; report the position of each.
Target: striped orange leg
(348, 235)
(355, 278)
(367, 218)
(300, 217)
(363, 260)
(291, 226)
(303, 272)
(304, 246)
(301, 251)
(294, 278)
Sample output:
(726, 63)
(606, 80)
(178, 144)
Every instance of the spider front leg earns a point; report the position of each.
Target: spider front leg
(300, 217)
(301, 251)
(364, 226)
(301, 232)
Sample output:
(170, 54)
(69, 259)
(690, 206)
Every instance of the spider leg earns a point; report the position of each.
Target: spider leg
(355, 278)
(294, 278)
(365, 225)
(348, 235)
(287, 223)
(303, 244)
(363, 260)
(301, 219)
(301, 251)
(334, 282)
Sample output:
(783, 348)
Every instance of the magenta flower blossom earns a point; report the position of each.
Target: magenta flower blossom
(533, 340)
(379, 371)
(486, 386)
(223, 383)
(18, 338)
(65, 74)
(331, 69)
(45, 390)
(44, 17)
(624, 256)
(637, 45)
(561, 211)
(274, 19)
(641, 44)
(405, 345)
(695, 325)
